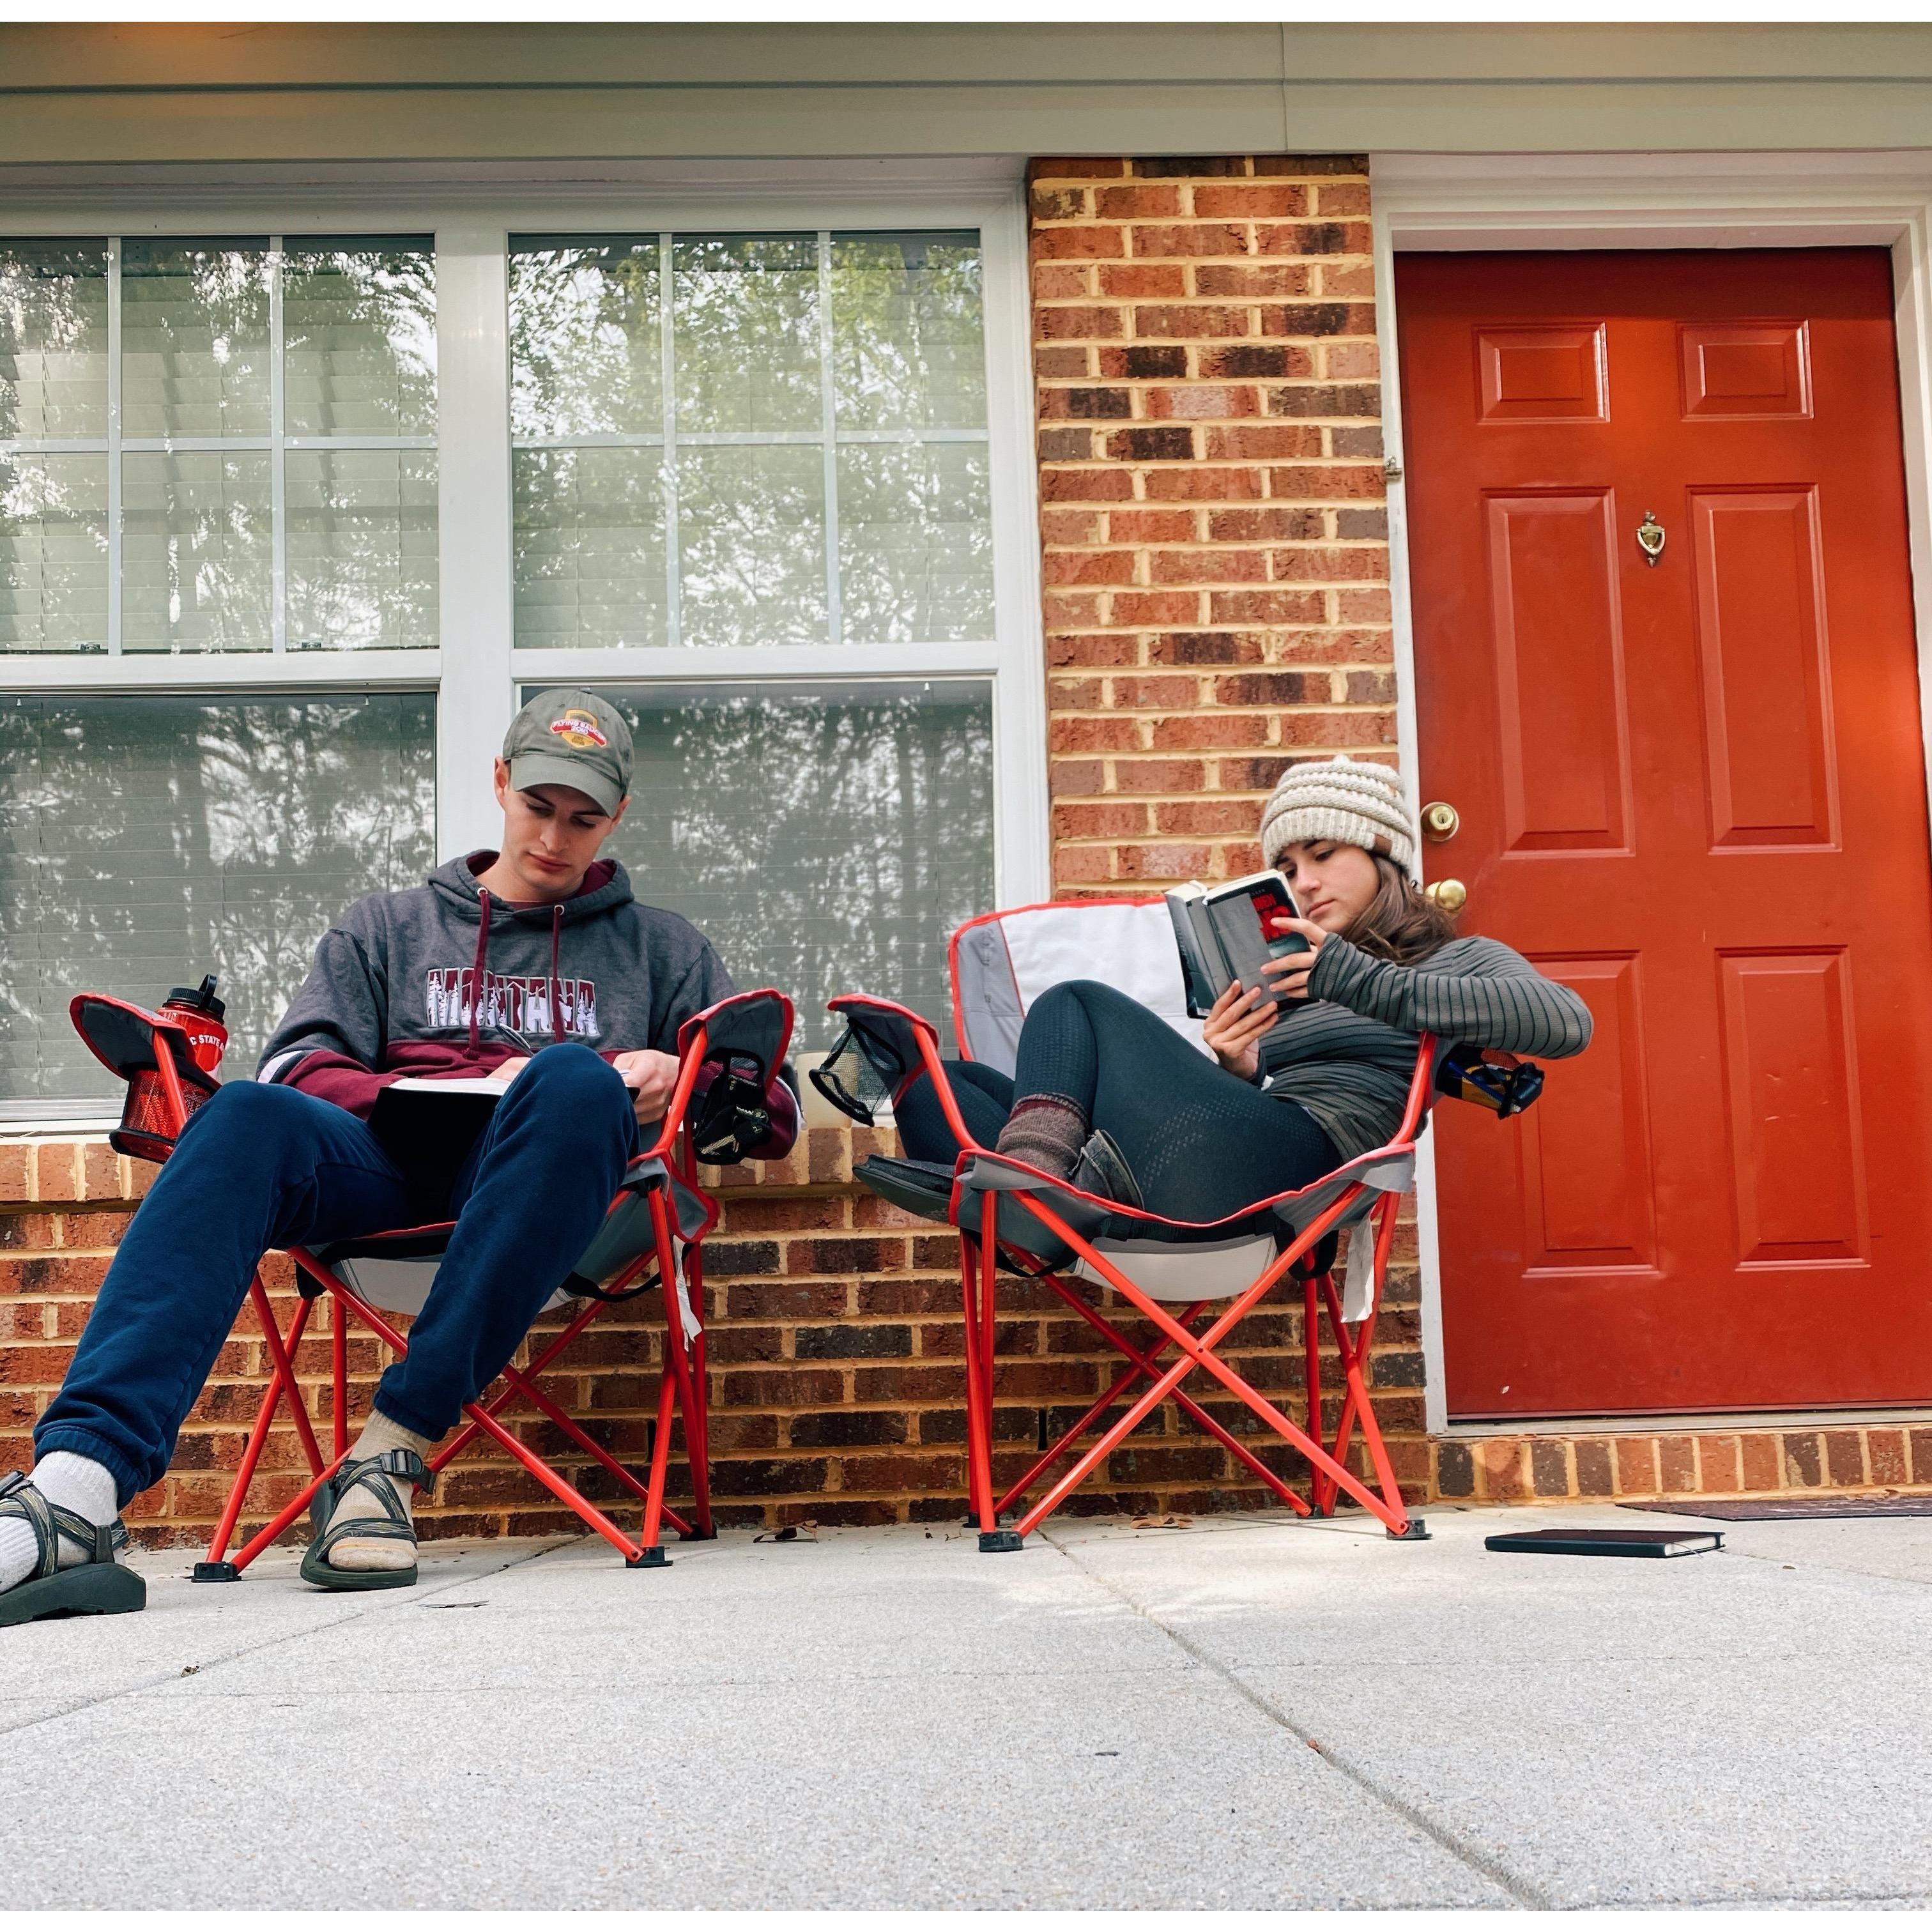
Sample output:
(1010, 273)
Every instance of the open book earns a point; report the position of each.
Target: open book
(1222, 932)
(410, 1108)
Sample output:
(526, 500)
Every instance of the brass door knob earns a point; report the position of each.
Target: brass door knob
(1441, 821)
(1451, 895)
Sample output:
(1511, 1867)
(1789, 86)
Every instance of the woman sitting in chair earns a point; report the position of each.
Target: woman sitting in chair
(1106, 1094)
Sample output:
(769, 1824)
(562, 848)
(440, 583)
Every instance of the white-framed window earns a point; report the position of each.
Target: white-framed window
(297, 501)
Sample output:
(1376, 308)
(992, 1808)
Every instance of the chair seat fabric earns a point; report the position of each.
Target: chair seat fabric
(1200, 1271)
(396, 1271)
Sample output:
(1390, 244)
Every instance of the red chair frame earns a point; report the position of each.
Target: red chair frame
(668, 1164)
(979, 1268)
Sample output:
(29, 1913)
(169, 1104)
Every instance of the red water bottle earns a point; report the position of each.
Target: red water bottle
(149, 1121)
(199, 1014)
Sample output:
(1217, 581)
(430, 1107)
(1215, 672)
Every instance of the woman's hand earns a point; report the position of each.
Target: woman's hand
(1289, 975)
(652, 1078)
(1233, 1030)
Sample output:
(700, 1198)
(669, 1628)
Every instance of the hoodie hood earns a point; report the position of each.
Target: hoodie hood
(606, 886)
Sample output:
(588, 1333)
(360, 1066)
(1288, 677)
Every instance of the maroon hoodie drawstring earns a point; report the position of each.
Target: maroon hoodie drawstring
(556, 947)
(482, 955)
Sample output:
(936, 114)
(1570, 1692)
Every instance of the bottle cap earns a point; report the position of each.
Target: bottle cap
(200, 998)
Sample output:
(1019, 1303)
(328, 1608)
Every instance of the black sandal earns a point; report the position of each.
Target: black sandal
(393, 1524)
(97, 1586)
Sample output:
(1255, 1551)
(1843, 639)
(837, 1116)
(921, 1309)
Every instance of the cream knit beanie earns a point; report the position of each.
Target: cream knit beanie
(1355, 804)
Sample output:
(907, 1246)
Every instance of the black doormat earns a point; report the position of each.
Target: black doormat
(1775, 1509)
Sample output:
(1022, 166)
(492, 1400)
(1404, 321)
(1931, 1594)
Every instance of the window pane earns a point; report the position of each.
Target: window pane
(751, 541)
(53, 553)
(915, 541)
(359, 327)
(194, 338)
(147, 841)
(195, 552)
(746, 333)
(827, 840)
(53, 339)
(908, 332)
(584, 345)
(590, 547)
(362, 549)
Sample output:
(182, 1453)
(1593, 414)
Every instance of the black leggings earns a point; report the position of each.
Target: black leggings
(1200, 1143)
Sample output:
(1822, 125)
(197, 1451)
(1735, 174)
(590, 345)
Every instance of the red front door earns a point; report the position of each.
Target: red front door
(1694, 790)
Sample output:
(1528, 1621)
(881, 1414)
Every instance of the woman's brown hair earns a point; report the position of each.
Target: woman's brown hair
(1400, 923)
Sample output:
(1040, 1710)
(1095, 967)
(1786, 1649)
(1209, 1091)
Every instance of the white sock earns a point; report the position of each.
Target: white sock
(75, 1483)
(378, 1552)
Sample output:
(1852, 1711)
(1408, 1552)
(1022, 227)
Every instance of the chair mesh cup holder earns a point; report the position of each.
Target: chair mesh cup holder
(861, 1073)
(733, 1117)
(129, 1041)
(147, 1117)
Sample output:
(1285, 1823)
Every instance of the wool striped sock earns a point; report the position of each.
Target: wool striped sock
(1046, 1131)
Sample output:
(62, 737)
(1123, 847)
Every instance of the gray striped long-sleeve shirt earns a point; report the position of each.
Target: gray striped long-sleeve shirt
(1346, 1056)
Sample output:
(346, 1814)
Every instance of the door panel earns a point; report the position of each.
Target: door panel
(1586, 1146)
(1797, 1149)
(1542, 375)
(1559, 671)
(1759, 370)
(1695, 790)
(1760, 628)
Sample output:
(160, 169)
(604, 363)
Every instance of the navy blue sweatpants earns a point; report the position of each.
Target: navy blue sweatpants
(261, 1167)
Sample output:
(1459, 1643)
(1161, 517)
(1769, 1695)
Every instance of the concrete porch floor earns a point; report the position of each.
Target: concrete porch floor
(1248, 1712)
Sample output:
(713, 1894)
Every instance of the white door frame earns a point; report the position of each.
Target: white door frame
(1785, 200)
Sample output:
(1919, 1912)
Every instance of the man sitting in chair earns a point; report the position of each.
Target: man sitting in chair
(532, 966)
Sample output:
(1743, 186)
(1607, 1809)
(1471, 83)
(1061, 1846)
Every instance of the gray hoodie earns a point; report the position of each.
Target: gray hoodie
(394, 987)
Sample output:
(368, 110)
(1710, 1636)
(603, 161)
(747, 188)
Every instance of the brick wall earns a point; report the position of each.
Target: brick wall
(836, 1380)
(836, 1345)
(1215, 539)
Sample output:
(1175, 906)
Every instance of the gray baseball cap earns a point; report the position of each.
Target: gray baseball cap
(570, 738)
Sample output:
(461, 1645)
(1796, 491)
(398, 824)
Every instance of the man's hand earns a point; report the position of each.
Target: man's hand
(652, 1078)
(507, 1070)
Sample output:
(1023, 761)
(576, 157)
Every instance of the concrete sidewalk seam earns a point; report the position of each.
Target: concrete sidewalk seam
(1829, 1569)
(1520, 1891)
(173, 1674)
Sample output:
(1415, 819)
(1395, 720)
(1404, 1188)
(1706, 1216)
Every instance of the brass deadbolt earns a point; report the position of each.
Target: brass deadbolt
(1451, 895)
(1441, 821)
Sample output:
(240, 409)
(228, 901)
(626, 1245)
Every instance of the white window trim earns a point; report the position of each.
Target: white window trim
(476, 669)
(1789, 200)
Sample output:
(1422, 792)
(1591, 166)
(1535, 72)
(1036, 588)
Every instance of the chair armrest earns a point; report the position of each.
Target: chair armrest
(902, 1044)
(152, 1053)
(125, 1038)
(756, 1024)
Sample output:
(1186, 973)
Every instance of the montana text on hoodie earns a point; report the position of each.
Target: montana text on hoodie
(445, 978)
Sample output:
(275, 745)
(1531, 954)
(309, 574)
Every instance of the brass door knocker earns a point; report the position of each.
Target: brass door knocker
(1650, 537)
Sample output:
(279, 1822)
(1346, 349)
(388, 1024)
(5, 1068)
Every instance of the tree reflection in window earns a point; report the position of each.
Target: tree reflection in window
(826, 841)
(150, 839)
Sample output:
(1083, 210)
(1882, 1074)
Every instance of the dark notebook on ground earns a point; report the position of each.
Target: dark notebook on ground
(1607, 1542)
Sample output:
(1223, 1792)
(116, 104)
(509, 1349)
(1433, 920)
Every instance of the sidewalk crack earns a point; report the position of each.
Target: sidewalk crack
(1520, 1891)
(173, 1674)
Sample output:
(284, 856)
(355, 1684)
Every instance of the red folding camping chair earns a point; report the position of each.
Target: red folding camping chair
(659, 1219)
(1000, 964)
